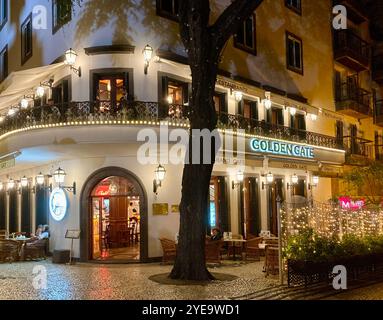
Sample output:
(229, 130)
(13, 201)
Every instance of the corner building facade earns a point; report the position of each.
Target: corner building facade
(276, 83)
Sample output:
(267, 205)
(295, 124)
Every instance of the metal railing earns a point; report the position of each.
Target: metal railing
(351, 96)
(106, 112)
(346, 41)
(359, 146)
(262, 128)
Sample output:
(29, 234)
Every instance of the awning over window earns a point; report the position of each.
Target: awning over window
(21, 83)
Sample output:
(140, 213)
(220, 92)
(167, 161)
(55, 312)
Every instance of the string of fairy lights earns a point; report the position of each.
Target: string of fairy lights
(330, 221)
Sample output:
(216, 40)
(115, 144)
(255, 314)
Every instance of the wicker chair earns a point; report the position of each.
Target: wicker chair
(9, 250)
(252, 249)
(170, 250)
(213, 251)
(36, 250)
(271, 260)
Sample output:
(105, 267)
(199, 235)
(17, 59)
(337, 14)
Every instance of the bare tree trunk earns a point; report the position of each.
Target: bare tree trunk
(190, 262)
(204, 44)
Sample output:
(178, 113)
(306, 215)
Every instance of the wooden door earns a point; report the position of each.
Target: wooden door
(118, 219)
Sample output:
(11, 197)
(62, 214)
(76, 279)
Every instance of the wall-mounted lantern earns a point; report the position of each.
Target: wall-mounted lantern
(314, 182)
(240, 178)
(70, 60)
(293, 111)
(160, 173)
(294, 181)
(238, 96)
(267, 101)
(269, 180)
(59, 177)
(148, 54)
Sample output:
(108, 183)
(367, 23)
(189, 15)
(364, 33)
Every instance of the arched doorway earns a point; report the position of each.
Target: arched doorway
(114, 217)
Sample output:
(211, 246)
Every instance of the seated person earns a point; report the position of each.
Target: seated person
(45, 234)
(216, 235)
(39, 230)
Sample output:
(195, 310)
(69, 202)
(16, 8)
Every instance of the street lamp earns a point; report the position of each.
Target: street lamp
(70, 60)
(160, 173)
(147, 53)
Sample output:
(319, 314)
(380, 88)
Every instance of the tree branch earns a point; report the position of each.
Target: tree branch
(230, 20)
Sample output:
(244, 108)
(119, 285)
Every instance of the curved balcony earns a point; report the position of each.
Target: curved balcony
(148, 113)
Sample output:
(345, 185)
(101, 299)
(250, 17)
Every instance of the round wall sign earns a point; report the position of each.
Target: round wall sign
(58, 204)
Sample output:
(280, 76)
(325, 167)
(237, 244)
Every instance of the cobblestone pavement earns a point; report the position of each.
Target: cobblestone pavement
(373, 292)
(120, 282)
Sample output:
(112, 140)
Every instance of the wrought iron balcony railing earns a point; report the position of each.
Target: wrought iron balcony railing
(351, 50)
(262, 128)
(111, 113)
(359, 147)
(349, 96)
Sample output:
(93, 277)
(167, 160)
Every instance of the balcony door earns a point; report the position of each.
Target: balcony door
(275, 117)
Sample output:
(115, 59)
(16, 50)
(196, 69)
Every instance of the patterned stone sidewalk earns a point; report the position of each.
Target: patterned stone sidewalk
(123, 282)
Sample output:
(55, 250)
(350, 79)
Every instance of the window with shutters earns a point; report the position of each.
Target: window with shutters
(245, 38)
(3, 64)
(62, 13)
(26, 40)
(294, 53)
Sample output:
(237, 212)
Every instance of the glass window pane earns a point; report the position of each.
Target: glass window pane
(249, 27)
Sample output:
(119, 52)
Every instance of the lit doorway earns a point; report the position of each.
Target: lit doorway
(275, 200)
(116, 220)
